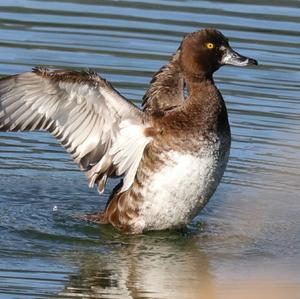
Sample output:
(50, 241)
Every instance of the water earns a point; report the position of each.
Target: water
(245, 244)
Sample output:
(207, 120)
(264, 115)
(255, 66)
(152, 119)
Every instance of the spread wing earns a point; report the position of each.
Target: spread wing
(166, 89)
(103, 132)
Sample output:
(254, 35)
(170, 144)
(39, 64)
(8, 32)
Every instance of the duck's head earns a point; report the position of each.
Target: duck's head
(205, 51)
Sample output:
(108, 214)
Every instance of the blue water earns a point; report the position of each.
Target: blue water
(249, 232)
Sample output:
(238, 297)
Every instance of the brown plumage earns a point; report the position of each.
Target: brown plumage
(171, 156)
(166, 90)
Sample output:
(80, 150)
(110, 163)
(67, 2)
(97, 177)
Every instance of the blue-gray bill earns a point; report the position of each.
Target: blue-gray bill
(233, 58)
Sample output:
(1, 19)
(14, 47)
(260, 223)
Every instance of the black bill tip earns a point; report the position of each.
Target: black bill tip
(252, 61)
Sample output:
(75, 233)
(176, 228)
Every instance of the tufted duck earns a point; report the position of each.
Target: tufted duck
(171, 155)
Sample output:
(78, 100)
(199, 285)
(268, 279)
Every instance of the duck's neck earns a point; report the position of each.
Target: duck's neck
(205, 103)
(197, 83)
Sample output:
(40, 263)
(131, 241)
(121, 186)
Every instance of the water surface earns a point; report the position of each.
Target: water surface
(244, 244)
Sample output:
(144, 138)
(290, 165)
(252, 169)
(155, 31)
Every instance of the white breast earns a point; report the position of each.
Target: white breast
(175, 193)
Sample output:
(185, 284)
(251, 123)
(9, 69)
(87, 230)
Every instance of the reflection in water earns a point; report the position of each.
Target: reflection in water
(148, 266)
(159, 266)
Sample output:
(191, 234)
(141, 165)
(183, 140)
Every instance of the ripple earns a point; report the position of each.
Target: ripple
(251, 220)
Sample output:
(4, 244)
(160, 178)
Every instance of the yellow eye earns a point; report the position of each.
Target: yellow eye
(210, 45)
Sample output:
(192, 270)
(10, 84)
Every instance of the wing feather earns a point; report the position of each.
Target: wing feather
(166, 89)
(103, 132)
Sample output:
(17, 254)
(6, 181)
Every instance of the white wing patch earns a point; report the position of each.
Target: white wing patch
(127, 151)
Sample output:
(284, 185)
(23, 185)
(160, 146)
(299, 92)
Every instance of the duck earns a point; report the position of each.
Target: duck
(170, 155)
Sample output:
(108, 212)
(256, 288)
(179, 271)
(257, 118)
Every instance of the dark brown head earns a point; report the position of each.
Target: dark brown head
(205, 51)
